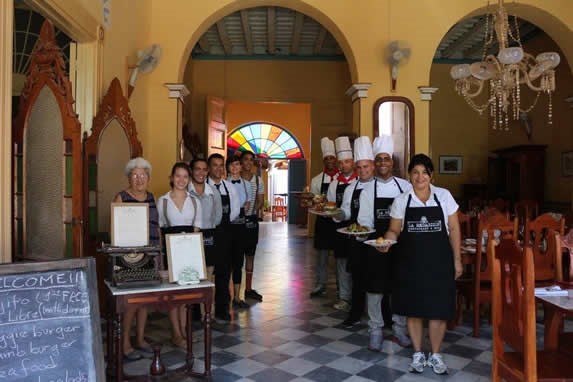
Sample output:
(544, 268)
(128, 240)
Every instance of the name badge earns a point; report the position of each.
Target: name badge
(208, 241)
(383, 213)
(226, 209)
(424, 226)
(355, 203)
(339, 198)
(251, 224)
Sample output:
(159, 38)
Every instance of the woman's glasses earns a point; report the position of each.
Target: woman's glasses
(138, 176)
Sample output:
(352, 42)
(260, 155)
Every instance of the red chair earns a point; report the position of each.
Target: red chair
(279, 210)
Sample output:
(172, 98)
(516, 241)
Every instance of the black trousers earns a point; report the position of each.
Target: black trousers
(222, 271)
(358, 268)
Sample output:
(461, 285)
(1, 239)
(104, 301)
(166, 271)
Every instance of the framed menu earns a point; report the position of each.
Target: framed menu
(185, 250)
(129, 224)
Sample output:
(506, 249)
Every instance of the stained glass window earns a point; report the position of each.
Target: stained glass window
(265, 140)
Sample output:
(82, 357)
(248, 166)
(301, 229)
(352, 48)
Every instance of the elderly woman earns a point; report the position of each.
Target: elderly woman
(425, 223)
(138, 172)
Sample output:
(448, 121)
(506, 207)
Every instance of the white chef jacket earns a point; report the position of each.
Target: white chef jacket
(316, 182)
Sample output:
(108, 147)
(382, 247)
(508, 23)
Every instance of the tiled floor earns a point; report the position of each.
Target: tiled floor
(290, 337)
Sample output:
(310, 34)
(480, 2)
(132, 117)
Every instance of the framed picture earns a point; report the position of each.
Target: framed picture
(451, 164)
(185, 250)
(567, 163)
(129, 224)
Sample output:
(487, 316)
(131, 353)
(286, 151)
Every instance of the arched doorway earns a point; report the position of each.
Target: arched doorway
(457, 130)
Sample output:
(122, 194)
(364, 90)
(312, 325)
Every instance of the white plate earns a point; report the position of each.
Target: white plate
(386, 243)
(345, 231)
(324, 213)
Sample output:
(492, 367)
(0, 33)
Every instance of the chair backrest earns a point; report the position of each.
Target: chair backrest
(500, 204)
(279, 201)
(526, 209)
(513, 307)
(535, 236)
(554, 249)
(494, 224)
(465, 224)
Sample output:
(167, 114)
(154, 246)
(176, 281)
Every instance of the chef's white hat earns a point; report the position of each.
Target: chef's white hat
(383, 144)
(363, 149)
(343, 148)
(327, 146)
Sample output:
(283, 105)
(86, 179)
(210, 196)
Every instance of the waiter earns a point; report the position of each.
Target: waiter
(364, 164)
(252, 221)
(224, 233)
(335, 194)
(324, 227)
(375, 202)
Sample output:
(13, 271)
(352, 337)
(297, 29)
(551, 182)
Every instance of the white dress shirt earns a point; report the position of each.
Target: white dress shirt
(233, 197)
(384, 189)
(171, 216)
(211, 209)
(316, 182)
(449, 205)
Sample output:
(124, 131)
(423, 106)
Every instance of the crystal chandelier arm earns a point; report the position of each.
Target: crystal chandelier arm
(474, 81)
(531, 85)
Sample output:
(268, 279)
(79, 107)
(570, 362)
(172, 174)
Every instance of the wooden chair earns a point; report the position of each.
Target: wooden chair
(513, 303)
(482, 273)
(535, 236)
(279, 210)
(499, 204)
(526, 209)
(465, 225)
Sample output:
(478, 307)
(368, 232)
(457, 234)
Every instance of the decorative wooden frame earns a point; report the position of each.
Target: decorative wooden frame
(47, 69)
(178, 259)
(411, 133)
(114, 105)
(129, 215)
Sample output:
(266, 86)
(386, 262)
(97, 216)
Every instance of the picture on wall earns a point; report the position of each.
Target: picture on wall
(451, 164)
(567, 163)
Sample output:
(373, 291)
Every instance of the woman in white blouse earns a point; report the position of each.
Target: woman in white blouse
(427, 256)
(178, 211)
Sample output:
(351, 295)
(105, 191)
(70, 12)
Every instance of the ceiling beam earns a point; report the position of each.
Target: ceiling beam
(455, 45)
(297, 32)
(224, 37)
(246, 31)
(494, 46)
(271, 30)
(204, 44)
(319, 40)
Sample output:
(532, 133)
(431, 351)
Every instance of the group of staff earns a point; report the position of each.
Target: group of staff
(220, 198)
(401, 285)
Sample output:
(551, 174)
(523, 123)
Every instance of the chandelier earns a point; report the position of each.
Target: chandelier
(505, 73)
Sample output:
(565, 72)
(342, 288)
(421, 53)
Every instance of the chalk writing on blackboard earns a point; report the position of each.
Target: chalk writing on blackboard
(45, 329)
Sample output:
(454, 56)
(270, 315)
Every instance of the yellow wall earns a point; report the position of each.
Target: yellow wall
(456, 129)
(319, 84)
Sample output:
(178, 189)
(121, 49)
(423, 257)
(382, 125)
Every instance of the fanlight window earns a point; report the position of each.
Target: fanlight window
(265, 140)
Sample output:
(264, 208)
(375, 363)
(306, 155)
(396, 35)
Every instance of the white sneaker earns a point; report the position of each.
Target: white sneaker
(418, 363)
(342, 305)
(436, 362)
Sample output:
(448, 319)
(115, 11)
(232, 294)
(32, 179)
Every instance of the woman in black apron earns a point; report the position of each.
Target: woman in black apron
(427, 261)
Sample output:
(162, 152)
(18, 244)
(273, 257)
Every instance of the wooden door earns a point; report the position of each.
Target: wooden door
(216, 127)
(296, 182)
(47, 162)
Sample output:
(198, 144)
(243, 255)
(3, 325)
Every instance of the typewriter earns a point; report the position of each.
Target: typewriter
(132, 267)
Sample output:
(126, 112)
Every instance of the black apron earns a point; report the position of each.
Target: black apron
(220, 243)
(356, 259)
(252, 224)
(340, 239)
(425, 277)
(324, 227)
(379, 269)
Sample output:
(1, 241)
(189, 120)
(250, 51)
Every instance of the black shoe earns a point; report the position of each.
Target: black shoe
(319, 291)
(350, 322)
(253, 294)
(240, 304)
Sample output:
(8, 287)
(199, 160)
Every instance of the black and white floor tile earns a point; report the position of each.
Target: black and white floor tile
(290, 337)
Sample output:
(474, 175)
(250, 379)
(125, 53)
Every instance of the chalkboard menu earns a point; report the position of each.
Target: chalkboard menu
(49, 322)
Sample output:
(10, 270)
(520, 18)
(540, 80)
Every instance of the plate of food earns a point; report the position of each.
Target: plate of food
(380, 242)
(356, 229)
(326, 209)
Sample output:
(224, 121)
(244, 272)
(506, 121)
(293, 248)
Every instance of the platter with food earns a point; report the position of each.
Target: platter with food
(325, 209)
(355, 229)
(380, 242)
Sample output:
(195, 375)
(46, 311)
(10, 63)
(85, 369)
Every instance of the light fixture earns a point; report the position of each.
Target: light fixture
(505, 73)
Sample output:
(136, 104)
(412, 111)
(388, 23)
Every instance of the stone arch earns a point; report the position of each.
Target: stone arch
(550, 22)
(297, 5)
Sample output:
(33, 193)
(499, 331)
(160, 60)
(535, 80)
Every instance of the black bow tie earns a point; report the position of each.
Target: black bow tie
(236, 181)
(218, 186)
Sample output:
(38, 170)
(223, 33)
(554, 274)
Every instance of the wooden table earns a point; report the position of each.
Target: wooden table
(164, 296)
(555, 308)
